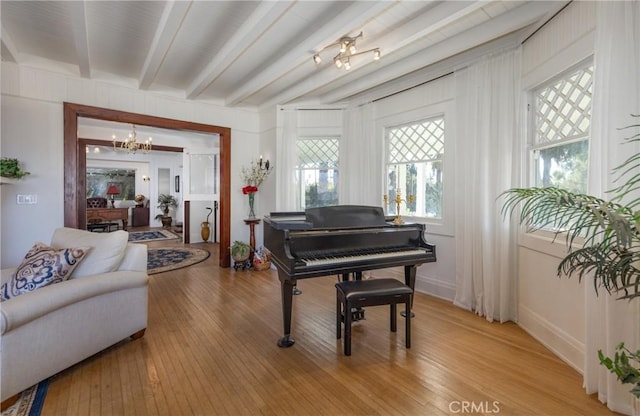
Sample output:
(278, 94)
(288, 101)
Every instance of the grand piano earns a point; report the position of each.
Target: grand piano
(339, 240)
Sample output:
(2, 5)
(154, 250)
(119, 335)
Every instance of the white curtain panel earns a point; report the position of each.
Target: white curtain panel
(486, 164)
(287, 159)
(616, 95)
(360, 162)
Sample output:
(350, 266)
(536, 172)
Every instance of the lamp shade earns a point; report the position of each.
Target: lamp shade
(113, 190)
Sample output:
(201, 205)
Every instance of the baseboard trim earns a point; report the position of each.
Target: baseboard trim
(566, 347)
(435, 288)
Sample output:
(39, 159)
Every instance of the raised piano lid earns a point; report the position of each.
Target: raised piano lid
(337, 216)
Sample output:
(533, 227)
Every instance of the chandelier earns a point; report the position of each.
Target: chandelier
(130, 145)
(348, 50)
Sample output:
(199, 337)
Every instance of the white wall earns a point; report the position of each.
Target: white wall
(32, 131)
(266, 196)
(550, 308)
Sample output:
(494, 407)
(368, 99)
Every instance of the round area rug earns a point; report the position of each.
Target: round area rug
(164, 259)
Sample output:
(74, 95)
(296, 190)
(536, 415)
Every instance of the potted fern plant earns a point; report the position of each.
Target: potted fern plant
(607, 236)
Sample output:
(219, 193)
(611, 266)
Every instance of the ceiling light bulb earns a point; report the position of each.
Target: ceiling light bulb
(347, 65)
(343, 46)
(338, 63)
(352, 48)
(376, 54)
(96, 150)
(86, 149)
(317, 59)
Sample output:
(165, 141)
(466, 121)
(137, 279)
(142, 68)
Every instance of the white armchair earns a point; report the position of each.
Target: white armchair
(57, 326)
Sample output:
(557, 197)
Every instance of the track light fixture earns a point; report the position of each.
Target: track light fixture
(348, 50)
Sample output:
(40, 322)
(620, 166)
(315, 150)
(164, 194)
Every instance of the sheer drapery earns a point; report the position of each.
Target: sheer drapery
(287, 158)
(487, 155)
(359, 160)
(616, 95)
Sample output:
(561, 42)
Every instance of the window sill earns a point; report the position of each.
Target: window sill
(544, 242)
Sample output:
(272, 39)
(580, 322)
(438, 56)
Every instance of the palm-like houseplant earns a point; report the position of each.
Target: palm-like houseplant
(603, 240)
(165, 203)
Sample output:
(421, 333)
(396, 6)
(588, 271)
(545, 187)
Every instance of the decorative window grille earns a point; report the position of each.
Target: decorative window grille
(562, 120)
(414, 167)
(317, 171)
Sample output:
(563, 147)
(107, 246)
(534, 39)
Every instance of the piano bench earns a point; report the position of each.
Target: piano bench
(372, 292)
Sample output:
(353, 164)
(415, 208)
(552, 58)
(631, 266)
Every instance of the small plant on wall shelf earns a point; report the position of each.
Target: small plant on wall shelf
(10, 168)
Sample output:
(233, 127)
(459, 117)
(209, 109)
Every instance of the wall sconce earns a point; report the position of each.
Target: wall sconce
(264, 165)
(145, 178)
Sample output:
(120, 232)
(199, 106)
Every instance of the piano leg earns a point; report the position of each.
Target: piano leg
(286, 287)
(410, 280)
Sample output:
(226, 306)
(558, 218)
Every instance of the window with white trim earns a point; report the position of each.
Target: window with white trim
(561, 123)
(415, 155)
(317, 171)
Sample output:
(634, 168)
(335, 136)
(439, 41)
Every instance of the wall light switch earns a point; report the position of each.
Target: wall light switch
(27, 199)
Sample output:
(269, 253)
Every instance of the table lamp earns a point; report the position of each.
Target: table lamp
(111, 191)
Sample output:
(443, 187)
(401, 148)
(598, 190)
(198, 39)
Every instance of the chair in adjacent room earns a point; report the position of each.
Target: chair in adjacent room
(353, 294)
(96, 224)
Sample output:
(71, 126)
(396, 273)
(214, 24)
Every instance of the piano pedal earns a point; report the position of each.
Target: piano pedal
(357, 314)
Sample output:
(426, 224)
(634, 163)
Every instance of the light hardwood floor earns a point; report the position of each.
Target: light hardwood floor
(210, 349)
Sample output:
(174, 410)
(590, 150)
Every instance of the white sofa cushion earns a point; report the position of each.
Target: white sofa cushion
(42, 266)
(107, 249)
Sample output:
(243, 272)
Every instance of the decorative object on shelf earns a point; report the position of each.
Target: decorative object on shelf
(261, 259)
(398, 200)
(240, 252)
(10, 168)
(253, 176)
(112, 190)
(139, 200)
(165, 203)
(130, 145)
(348, 50)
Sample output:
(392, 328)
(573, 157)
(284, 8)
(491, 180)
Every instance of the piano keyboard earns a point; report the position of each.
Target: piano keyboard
(362, 257)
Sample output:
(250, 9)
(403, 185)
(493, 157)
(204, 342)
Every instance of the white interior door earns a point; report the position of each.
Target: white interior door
(201, 172)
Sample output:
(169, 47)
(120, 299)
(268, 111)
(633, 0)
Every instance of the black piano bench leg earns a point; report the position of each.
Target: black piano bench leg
(353, 295)
(286, 341)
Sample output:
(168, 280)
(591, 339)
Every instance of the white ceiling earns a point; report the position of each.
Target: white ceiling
(259, 53)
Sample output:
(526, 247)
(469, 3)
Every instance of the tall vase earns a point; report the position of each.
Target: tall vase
(252, 196)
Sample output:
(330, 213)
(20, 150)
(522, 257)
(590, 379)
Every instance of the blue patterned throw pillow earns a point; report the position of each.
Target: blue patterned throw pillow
(42, 266)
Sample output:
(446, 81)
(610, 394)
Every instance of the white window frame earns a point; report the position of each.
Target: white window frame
(545, 240)
(532, 146)
(300, 191)
(436, 226)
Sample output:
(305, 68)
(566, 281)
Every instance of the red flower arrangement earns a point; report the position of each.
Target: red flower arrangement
(249, 189)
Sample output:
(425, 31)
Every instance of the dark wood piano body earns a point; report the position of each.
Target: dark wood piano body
(323, 241)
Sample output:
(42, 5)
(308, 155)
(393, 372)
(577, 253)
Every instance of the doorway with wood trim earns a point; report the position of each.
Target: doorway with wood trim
(75, 164)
